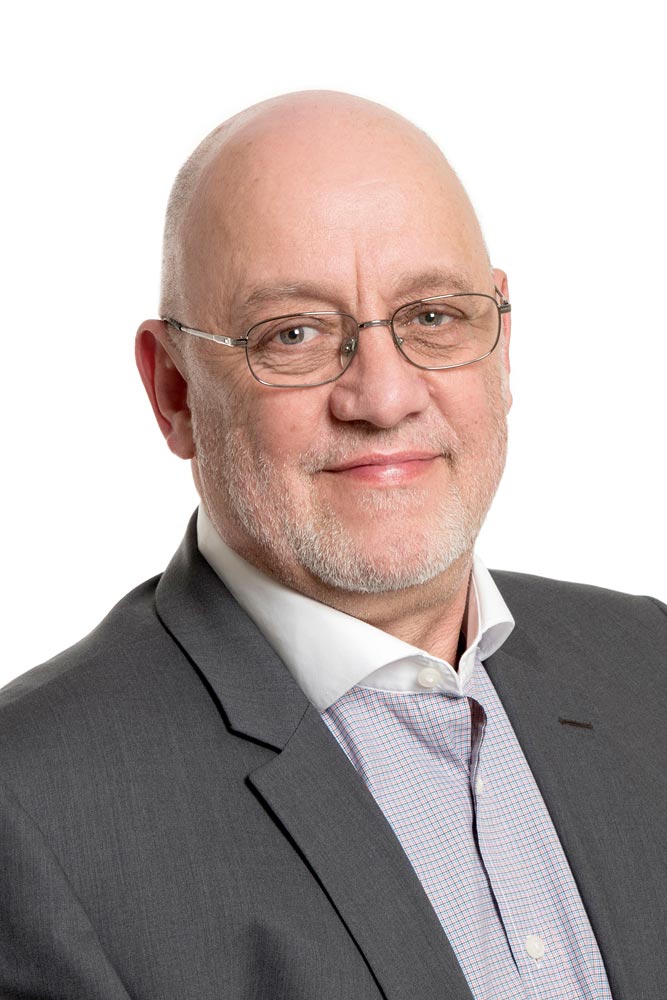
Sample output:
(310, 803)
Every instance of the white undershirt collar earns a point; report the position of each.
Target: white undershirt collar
(328, 652)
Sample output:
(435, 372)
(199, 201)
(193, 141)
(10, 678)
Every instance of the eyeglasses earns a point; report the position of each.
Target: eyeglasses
(313, 348)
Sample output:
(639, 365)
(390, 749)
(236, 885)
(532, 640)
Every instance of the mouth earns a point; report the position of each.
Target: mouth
(385, 468)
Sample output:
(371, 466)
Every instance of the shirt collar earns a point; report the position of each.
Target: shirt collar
(328, 652)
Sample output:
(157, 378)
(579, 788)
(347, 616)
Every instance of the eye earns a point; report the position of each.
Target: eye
(297, 335)
(433, 317)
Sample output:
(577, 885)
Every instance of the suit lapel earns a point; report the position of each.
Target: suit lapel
(256, 693)
(326, 808)
(310, 787)
(604, 802)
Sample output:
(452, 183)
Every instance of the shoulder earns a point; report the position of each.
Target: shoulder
(115, 693)
(131, 623)
(575, 619)
(543, 596)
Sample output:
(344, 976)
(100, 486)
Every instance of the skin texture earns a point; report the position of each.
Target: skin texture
(343, 196)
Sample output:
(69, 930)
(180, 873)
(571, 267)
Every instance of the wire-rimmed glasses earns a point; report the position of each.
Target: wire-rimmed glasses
(312, 348)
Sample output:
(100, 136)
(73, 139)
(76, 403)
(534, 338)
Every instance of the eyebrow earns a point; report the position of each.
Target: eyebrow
(289, 290)
(418, 284)
(435, 280)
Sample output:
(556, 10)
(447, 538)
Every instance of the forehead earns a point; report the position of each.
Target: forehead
(342, 207)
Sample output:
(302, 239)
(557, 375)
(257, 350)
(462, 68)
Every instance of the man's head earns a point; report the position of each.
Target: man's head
(379, 480)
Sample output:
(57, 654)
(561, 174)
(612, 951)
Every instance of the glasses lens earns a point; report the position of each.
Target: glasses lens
(448, 331)
(304, 349)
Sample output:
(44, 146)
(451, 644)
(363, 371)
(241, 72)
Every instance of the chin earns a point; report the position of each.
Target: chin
(343, 562)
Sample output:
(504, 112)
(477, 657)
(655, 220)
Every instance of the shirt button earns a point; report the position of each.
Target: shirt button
(535, 946)
(479, 786)
(428, 677)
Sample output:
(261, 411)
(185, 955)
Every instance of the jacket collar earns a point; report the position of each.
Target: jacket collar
(256, 691)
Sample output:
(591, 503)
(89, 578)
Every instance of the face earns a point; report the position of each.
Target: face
(380, 480)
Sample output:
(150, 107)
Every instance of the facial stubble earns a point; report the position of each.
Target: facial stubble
(292, 526)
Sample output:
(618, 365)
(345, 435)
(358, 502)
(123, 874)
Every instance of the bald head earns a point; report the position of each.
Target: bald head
(295, 154)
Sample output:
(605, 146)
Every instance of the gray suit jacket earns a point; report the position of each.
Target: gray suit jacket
(176, 820)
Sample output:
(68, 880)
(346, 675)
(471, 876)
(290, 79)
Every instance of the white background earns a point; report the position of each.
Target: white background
(554, 117)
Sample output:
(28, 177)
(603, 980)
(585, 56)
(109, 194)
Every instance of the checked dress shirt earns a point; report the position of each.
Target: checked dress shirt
(438, 753)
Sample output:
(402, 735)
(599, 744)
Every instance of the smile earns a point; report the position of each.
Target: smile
(393, 469)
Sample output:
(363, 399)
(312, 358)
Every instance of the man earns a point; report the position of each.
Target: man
(321, 755)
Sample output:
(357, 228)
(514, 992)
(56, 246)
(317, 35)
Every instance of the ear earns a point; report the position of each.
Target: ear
(500, 280)
(165, 385)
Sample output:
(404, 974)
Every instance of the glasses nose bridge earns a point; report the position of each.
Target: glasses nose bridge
(389, 323)
(371, 323)
(374, 322)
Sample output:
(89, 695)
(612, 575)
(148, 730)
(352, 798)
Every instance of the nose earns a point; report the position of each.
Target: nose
(380, 387)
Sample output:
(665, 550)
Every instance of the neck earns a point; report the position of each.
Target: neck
(430, 616)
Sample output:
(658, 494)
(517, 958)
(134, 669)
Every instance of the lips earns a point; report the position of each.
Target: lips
(386, 468)
(383, 458)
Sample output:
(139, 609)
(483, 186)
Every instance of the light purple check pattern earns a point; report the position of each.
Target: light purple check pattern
(451, 778)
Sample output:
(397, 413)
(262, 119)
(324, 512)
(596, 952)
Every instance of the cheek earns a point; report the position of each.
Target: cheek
(473, 403)
(285, 424)
(217, 385)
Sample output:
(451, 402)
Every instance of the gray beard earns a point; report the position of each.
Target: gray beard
(255, 493)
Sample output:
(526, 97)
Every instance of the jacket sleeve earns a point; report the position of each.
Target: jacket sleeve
(48, 946)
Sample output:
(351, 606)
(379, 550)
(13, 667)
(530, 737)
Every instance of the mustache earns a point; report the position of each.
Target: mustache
(441, 440)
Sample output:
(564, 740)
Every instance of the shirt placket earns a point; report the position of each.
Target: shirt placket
(527, 935)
